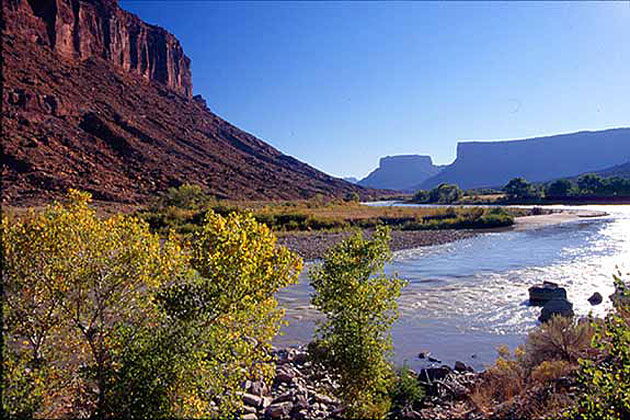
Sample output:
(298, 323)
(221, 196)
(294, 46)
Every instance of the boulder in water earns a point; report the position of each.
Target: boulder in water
(540, 294)
(596, 299)
(560, 307)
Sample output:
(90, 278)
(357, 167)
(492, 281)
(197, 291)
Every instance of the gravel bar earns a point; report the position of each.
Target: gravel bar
(313, 245)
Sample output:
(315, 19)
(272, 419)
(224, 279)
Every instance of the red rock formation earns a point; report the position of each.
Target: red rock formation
(95, 99)
(81, 29)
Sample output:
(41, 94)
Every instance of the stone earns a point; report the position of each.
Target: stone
(282, 398)
(249, 416)
(323, 399)
(429, 375)
(434, 360)
(248, 409)
(252, 400)
(460, 367)
(258, 388)
(560, 307)
(595, 299)
(424, 354)
(279, 411)
(539, 295)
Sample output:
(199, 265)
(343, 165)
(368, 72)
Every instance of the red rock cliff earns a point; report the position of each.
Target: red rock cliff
(80, 29)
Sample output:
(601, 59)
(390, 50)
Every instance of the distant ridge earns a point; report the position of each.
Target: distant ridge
(491, 164)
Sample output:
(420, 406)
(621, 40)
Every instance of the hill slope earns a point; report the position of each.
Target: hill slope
(490, 164)
(96, 99)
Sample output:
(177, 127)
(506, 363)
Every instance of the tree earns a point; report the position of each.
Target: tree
(559, 188)
(421, 196)
(186, 196)
(359, 302)
(228, 312)
(590, 184)
(70, 280)
(445, 194)
(518, 188)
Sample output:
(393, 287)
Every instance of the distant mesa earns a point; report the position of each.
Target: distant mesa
(493, 164)
(401, 173)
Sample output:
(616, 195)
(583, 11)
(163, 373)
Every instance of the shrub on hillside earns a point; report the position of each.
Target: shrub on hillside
(359, 302)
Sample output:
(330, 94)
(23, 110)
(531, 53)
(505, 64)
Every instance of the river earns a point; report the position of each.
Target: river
(468, 297)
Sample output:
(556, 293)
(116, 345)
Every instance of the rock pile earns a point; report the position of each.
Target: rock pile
(300, 390)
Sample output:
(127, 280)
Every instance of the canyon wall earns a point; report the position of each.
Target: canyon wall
(493, 164)
(82, 29)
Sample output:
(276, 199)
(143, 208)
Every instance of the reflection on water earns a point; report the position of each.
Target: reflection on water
(466, 298)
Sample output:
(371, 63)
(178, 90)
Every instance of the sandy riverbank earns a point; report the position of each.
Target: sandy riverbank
(563, 216)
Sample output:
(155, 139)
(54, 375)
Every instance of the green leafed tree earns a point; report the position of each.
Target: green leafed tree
(560, 188)
(359, 302)
(518, 189)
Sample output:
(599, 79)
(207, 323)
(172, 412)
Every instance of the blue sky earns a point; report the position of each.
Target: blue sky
(339, 85)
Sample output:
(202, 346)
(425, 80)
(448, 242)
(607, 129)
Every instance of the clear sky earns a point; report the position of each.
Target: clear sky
(339, 85)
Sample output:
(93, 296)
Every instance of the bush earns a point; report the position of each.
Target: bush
(605, 380)
(186, 196)
(70, 280)
(104, 319)
(359, 302)
(407, 392)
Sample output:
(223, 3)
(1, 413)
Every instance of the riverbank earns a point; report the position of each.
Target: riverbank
(563, 216)
(313, 245)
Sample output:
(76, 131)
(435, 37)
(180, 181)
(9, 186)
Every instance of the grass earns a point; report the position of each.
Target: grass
(336, 215)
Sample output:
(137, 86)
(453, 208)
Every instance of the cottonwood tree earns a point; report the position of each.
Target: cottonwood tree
(359, 302)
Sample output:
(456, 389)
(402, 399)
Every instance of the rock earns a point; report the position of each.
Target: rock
(249, 416)
(556, 307)
(539, 295)
(282, 398)
(434, 360)
(460, 367)
(284, 376)
(266, 401)
(323, 399)
(278, 411)
(424, 354)
(596, 299)
(247, 409)
(252, 400)
(258, 388)
(429, 375)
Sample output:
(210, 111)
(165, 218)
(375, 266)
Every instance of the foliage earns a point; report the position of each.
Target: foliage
(359, 302)
(561, 338)
(606, 381)
(104, 319)
(352, 197)
(70, 279)
(590, 183)
(186, 196)
(407, 391)
(519, 188)
(560, 188)
(421, 196)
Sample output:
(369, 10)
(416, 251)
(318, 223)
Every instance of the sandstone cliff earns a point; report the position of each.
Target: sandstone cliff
(401, 172)
(493, 164)
(93, 98)
(81, 29)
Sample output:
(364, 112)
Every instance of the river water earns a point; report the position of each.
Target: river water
(468, 297)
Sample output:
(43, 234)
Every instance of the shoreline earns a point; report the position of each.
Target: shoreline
(313, 245)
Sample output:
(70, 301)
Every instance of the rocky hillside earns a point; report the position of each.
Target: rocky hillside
(401, 173)
(94, 98)
(491, 164)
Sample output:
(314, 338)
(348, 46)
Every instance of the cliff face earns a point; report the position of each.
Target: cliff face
(493, 164)
(82, 29)
(400, 173)
(95, 99)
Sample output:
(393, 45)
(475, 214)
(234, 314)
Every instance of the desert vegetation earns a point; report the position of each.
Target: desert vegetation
(182, 209)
